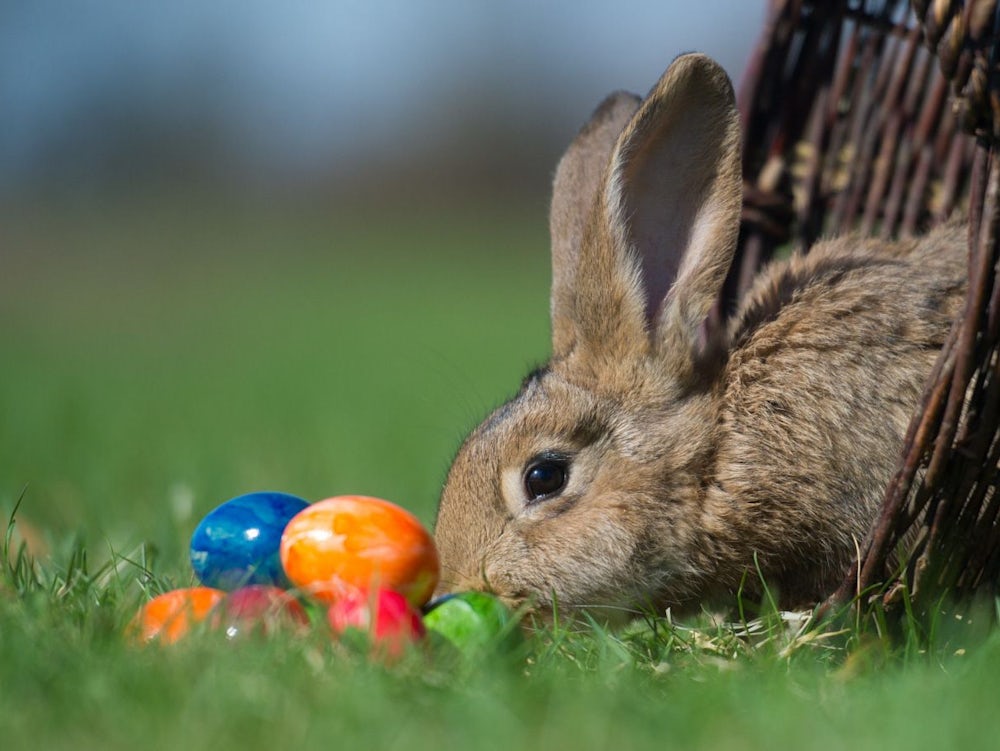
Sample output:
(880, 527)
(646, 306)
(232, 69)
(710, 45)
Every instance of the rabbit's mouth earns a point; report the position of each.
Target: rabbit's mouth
(538, 610)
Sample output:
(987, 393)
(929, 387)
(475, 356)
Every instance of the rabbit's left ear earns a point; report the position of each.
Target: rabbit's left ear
(579, 179)
(674, 197)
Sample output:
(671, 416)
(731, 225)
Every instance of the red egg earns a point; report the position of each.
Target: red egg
(170, 616)
(388, 619)
(259, 608)
(350, 543)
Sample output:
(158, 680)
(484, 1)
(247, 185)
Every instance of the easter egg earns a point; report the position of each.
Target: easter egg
(260, 609)
(471, 620)
(169, 616)
(385, 617)
(236, 544)
(349, 543)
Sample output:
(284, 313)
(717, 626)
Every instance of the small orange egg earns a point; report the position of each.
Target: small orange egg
(349, 543)
(169, 616)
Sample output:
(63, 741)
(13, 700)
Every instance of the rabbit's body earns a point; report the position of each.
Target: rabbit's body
(655, 461)
(828, 359)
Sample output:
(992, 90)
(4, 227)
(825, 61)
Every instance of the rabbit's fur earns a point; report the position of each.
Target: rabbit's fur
(698, 459)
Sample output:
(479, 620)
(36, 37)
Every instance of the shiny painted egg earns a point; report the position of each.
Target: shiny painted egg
(169, 616)
(385, 617)
(236, 544)
(259, 609)
(471, 620)
(350, 543)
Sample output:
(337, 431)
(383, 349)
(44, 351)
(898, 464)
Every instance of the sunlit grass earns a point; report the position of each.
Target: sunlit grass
(73, 679)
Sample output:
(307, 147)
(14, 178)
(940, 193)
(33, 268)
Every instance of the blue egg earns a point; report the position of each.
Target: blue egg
(237, 543)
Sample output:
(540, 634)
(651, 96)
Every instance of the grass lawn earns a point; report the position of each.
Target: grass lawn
(157, 360)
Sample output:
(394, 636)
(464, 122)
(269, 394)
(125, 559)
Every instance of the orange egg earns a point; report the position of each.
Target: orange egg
(353, 542)
(170, 616)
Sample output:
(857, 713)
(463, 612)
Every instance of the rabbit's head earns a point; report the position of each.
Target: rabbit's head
(584, 489)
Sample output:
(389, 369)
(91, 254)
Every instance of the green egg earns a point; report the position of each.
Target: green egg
(471, 621)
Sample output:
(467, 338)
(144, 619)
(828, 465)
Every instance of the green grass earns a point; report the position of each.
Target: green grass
(158, 360)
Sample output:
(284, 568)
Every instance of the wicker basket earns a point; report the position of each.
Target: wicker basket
(882, 118)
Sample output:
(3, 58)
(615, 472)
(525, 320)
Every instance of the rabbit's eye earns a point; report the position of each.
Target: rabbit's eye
(545, 477)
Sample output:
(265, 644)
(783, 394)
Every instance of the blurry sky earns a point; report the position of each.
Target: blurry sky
(289, 91)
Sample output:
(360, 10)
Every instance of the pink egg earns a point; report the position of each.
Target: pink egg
(259, 608)
(388, 619)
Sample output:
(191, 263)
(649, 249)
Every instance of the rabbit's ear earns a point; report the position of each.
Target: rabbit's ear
(666, 221)
(580, 176)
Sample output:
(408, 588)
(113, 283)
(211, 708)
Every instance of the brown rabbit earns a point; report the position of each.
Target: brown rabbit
(658, 461)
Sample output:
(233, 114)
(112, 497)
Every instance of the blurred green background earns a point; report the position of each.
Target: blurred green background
(159, 359)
